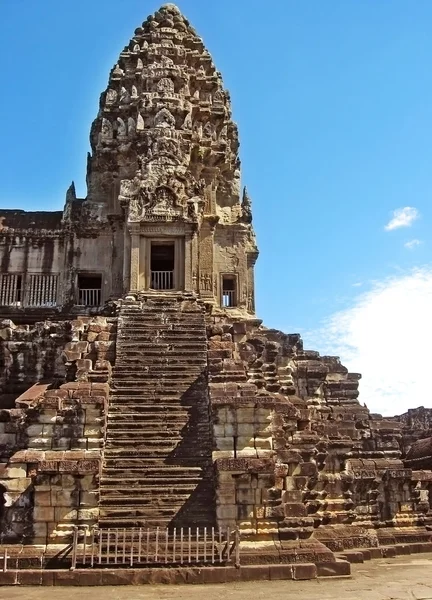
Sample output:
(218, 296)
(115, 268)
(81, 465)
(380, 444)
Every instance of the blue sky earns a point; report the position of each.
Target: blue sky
(333, 102)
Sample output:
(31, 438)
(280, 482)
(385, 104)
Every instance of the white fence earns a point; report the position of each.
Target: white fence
(162, 280)
(140, 546)
(89, 297)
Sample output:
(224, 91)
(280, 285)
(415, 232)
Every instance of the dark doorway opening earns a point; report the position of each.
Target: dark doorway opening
(229, 292)
(89, 289)
(162, 265)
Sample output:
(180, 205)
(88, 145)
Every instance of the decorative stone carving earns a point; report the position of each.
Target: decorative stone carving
(131, 126)
(111, 97)
(121, 128)
(106, 131)
(124, 96)
(164, 119)
(165, 86)
(140, 123)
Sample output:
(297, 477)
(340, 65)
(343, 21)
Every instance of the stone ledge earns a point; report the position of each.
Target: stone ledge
(152, 576)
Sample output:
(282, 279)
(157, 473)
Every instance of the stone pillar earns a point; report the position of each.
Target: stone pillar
(126, 261)
(189, 267)
(206, 258)
(251, 260)
(134, 261)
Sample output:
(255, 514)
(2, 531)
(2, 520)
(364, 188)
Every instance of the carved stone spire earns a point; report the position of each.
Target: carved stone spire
(246, 206)
(164, 128)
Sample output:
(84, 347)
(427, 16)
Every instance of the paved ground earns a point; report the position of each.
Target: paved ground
(402, 578)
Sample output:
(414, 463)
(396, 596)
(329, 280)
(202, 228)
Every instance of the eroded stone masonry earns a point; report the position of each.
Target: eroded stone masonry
(139, 388)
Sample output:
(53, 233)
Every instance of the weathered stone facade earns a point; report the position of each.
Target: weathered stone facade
(138, 388)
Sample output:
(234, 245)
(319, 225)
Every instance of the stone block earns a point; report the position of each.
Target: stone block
(94, 443)
(255, 573)
(64, 513)
(226, 512)
(264, 443)
(87, 483)
(219, 431)
(43, 514)
(280, 572)
(15, 471)
(334, 569)
(304, 571)
(246, 430)
(62, 443)
(42, 498)
(89, 499)
(16, 485)
(48, 416)
(7, 439)
(292, 509)
(246, 451)
(88, 514)
(40, 443)
(65, 498)
(48, 430)
(91, 431)
(224, 444)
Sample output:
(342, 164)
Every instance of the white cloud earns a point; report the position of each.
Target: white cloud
(402, 217)
(412, 244)
(357, 284)
(386, 335)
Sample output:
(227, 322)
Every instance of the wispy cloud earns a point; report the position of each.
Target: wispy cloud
(412, 244)
(357, 284)
(385, 335)
(402, 217)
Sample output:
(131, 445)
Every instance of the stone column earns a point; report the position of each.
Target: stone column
(251, 260)
(188, 284)
(206, 258)
(135, 260)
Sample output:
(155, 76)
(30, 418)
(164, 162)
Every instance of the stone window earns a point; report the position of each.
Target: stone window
(11, 290)
(89, 289)
(229, 291)
(42, 290)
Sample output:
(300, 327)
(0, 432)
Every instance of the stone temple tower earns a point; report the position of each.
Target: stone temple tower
(138, 390)
(165, 159)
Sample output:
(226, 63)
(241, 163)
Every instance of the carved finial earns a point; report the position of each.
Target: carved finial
(71, 193)
(246, 207)
(171, 8)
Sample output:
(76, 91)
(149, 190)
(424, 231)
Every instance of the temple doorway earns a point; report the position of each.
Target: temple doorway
(162, 265)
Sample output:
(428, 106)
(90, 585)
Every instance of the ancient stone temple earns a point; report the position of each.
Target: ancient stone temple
(138, 389)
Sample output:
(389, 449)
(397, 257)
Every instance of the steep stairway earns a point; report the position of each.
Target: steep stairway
(157, 468)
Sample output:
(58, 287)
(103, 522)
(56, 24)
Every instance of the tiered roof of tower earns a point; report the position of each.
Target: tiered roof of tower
(164, 138)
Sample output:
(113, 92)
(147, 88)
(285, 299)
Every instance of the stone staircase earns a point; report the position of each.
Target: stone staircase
(157, 467)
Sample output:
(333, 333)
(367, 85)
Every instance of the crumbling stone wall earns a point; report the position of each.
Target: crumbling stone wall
(29, 354)
(54, 352)
(52, 484)
(295, 452)
(51, 441)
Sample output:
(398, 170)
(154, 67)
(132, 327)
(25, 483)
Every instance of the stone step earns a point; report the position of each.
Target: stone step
(161, 389)
(134, 351)
(152, 522)
(145, 378)
(164, 497)
(146, 432)
(116, 459)
(154, 410)
(150, 468)
(147, 513)
(160, 361)
(121, 426)
(134, 479)
(143, 413)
